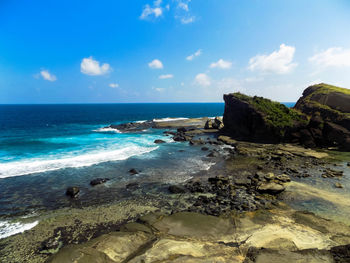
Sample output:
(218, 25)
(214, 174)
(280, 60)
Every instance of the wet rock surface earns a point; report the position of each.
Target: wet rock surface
(98, 181)
(72, 191)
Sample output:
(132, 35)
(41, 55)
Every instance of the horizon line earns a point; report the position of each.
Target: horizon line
(91, 103)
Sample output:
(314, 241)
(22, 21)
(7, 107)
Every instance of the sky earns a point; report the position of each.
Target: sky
(121, 51)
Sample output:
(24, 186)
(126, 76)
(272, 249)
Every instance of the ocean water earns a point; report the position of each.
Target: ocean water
(46, 148)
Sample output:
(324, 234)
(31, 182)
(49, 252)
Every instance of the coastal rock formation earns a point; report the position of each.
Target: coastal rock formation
(320, 118)
(329, 108)
(259, 119)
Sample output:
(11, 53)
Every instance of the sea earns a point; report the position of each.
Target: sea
(46, 148)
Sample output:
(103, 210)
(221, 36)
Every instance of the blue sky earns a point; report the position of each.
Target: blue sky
(171, 50)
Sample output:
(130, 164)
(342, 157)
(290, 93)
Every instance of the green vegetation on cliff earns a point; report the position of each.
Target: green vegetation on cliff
(324, 88)
(317, 97)
(275, 113)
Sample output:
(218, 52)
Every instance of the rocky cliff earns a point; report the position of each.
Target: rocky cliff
(320, 118)
(259, 119)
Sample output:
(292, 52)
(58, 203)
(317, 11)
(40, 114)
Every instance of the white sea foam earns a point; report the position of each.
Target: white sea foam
(8, 229)
(169, 119)
(38, 165)
(107, 129)
(140, 121)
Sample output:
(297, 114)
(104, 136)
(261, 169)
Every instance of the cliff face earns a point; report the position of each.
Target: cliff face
(321, 118)
(259, 119)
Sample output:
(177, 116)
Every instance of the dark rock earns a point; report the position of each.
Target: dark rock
(159, 141)
(208, 124)
(133, 171)
(204, 148)
(176, 189)
(196, 142)
(133, 126)
(213, 154)
(341, 254)
(98, 181)
(181, 130)
(181, 138)
(217, 123)
(72, 191)
(132, 185)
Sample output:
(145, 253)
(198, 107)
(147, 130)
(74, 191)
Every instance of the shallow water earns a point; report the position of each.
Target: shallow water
(320, 196)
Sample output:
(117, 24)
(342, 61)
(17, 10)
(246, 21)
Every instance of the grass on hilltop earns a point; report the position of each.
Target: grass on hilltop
(275, 113)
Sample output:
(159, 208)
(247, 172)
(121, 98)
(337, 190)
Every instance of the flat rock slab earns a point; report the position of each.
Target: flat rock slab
(169, 250)
(195, 225)
(114, 247)
(283, 256)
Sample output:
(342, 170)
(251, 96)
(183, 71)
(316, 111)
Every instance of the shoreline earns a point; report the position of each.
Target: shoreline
(244, 161)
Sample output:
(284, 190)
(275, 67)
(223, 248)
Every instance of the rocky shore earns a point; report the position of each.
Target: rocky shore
(241, 210)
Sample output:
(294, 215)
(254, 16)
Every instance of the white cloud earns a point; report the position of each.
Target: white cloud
(149, 11)
(45, 74)
(202, 79)
(221, 64)
(183, 5)
(228, 85)
(196, 54)
(92, 67)
(156, 64)
(183, 12)
(166, 76)
(280, 61)
(114, 85)
(158, 89)
(332, 57)
(253, 79)
(187, 20)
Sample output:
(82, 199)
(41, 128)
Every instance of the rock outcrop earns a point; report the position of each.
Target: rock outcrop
(329, 109)
(259, 119)
(320, 118)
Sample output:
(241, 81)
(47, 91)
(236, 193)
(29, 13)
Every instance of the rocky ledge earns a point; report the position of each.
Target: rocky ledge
(321, 118)
(263, 236)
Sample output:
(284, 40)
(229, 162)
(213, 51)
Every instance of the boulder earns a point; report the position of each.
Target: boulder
(72, 191)
(217, 123)
(208, 124)
(338, 185)
(133, 171)
(98, 181)
(158, 141)
(176, 189)
(270, 188)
